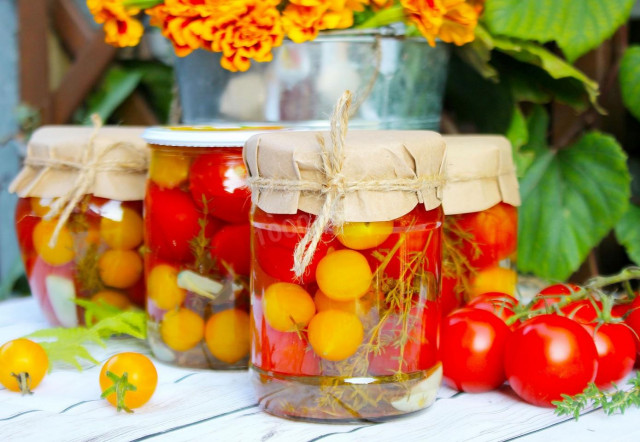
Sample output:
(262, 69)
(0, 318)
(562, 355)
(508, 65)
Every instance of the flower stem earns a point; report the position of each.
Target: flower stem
(384, 17)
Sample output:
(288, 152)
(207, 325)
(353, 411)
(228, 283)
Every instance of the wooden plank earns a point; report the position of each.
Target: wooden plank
(71, 25)
(135, 111)
(34, 60)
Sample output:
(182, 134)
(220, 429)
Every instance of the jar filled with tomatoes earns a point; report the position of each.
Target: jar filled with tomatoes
(197, 236)
(79, 218)
(346, 241)
(480, 202)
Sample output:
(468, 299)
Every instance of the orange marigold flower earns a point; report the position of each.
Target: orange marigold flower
(453, 21)
(120, 27)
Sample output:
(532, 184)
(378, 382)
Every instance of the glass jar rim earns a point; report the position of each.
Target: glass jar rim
(217, 135)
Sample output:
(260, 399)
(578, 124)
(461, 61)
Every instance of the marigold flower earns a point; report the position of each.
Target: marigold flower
(120, 27)
(453, 21)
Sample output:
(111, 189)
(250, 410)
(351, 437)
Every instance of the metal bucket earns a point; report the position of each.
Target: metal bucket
(398, 83)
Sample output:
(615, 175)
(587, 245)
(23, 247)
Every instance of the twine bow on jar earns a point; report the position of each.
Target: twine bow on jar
(335, 185)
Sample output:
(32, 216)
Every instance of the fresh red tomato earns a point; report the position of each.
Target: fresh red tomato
(231, 245)
(633, 320)
(495, 234)
(219, 179)
(171, 222)
(547, 356)
(584, 311)
(449, 296)
(472, 345)
(616, 352)
(552, 295)
(500, 304)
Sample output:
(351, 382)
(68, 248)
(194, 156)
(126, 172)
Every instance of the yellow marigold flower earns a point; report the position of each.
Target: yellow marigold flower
(120, 28)
(453, 21)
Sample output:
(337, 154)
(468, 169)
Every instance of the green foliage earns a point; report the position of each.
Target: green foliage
(571, 199)
(616, 401)
(156, 85)
(576, 25)
(628, 232)
(630, 80)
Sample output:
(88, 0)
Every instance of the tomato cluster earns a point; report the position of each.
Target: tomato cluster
(197, 267)
(95, 256)
(562, 346)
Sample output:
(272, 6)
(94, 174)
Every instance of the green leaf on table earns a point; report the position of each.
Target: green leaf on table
(116, 86)
(628, 232)
(570, 200)
(630, 80)
(576, 25)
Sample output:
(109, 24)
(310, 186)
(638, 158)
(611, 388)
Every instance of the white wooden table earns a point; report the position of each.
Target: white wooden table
(197, 404)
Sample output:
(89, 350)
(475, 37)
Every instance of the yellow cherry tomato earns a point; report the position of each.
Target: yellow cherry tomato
(335, 335)
(182, 329)
(124, 372)
(62, 252)
(494, 279)
(124, 233)
(357, 306)
(344, 275)
(162, 287)
(23, 364)
(227, 335)
(41, 206)
(168, 170)
(287, 306)
(120, 268)
(112, 298)
(365, 235)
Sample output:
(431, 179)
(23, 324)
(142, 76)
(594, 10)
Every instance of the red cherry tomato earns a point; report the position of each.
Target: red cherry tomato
(583, 311)
(633, 321)
(495, 233)
(219, 179)
(171, 222)
(287, 353)
(232, 245)
(500, 304)
(547, 356)
(387, 361)
(472, 346)
(552, 295)
(616, 352)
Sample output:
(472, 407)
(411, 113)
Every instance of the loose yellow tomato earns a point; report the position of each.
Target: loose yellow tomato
(124, 233)
(62, 252)
(162, 287)
(494, 279)
(182, 329)
(344, 275)
(335, 334)
(168, 171)
(23, 364)
(287, 306)
(113, 298)
(227, 335)
(41, 206)
(120, 268)
(123, 372)
(365, 235)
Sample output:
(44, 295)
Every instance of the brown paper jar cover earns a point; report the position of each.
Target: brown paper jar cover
(479, 174)
(121, 167)
(369, 156)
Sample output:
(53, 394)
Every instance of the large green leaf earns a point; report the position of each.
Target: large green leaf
(117, 85)
(576, 25)
(628, 232)
(571, 199)
(630, 80)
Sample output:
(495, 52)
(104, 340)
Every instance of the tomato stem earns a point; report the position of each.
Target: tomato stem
(24, 382)
(120, 387)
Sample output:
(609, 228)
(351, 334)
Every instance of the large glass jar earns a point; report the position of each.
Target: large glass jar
(354, 336)
(481, 219)
(79, 218)
(197, 238)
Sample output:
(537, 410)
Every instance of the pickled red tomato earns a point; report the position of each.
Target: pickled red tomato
(344, 275)
(231, 245)
(120, 268)
(123, 230)
(171, 222)
(62, 251)
(227, 335)
(25, 224)
(335, 335)
(182, 329)
(162, 287)
(495, 233)
(219, 179)
(364, 235)
(288, 353)
(387, 361)
(287, 307)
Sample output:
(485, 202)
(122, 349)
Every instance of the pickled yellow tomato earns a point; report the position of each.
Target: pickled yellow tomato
(365, 235)
(120, 268)
(359, 306)
(287, 306)
(162, 287)
(227, 335)
(62, 252)
(168, 171)
(124, 233)
(344, 275)
(335, 334)
(494, 279)
(112, 298)
(182, 329)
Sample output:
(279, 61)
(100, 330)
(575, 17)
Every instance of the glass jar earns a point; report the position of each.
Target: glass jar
(197, 237)
(353, 334)
(481, 219)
